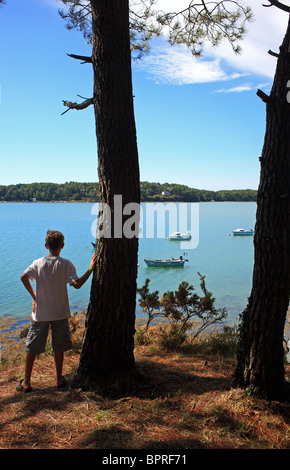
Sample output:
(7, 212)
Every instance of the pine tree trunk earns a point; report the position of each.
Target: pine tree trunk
(260, 358)
(109, 335)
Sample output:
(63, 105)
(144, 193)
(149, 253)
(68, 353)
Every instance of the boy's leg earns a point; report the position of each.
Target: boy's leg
(58, 358)
(35, 344)
(61, 341)
(30, 358)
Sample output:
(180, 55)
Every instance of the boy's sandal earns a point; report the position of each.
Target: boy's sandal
(63, 384)
(20, 388)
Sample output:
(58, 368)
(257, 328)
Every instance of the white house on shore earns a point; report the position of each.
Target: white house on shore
(166, 192)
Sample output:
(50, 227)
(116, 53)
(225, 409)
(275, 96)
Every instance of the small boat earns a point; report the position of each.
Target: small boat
(242, 231)
(165, 263)
(179, 236)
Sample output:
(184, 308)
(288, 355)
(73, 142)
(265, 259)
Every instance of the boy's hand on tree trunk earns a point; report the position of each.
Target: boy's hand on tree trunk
(93, 260)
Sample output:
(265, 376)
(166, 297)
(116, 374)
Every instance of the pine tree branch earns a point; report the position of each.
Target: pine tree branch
(199, 21)
(77, 106)
(265, 98)
(85, 58)
(274, 54)
(279, 5)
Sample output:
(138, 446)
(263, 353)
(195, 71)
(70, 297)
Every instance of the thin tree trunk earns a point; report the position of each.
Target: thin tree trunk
(109, 335)
(260, 358)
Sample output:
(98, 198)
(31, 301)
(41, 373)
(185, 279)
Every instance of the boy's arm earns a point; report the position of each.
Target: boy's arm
(27, 285)
(80, 282)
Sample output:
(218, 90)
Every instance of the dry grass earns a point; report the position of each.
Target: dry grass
(188, 402)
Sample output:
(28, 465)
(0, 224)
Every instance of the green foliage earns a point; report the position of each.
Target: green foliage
(24, 332)
(183, 305)
(150, 192)
(224, 343)
(142, 338)
(50, 192)
(142, 27)
(181, 308)
(206, 21)
(172, 338)
(149, 302)
(77, 14)
(198, 22)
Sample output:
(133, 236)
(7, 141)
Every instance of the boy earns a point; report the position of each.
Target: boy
(50, 305)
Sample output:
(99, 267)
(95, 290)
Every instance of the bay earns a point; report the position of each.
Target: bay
(225, 261)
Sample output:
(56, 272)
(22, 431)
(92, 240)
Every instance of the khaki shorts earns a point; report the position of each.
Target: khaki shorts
(37, 336)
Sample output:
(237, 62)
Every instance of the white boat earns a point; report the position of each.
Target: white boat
(242, 231)
(165, 263)
(179, 236)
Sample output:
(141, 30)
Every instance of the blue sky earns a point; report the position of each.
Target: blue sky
(199, 122)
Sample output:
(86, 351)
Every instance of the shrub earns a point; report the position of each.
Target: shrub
(181, 308)
(171, 337)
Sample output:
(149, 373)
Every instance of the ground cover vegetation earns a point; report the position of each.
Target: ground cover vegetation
(187, 398)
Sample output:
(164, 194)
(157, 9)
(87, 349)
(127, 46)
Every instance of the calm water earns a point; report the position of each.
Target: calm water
(226, 261)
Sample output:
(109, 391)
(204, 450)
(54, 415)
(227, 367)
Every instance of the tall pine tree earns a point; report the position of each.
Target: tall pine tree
(261, 356)
(115, 31)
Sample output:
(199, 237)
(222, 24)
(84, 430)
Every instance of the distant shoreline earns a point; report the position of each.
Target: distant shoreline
(90, 192)
(96, 202)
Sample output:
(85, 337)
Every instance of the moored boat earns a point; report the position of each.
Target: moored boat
(165, 263)
(179, 236)
(242, 231)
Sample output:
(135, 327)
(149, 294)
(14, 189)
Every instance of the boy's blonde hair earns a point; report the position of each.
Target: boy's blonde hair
(54, 239)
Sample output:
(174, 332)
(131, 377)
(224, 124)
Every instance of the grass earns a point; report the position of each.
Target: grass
(188, 402)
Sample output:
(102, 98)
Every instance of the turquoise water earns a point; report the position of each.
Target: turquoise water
(226, 261)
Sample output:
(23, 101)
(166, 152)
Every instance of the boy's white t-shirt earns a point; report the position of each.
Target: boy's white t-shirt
(52, 274)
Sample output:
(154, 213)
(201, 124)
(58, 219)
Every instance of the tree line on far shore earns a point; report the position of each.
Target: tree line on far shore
(89, 192)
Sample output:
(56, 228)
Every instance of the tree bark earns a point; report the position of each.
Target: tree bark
(109, 333)
(260, 365)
